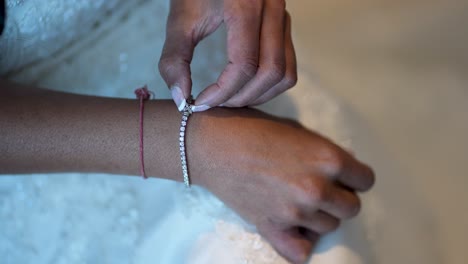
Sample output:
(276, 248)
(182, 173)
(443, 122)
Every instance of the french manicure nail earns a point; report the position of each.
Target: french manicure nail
(200, 108)
(178, 97)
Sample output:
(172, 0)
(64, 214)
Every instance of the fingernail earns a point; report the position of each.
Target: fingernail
(178, 97)
(207, 98)
(200, 108)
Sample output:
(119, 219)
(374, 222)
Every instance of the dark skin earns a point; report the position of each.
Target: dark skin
(260, 51)
(296, 185)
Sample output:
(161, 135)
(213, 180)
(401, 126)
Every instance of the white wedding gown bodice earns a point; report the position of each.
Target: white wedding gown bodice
(110, 47)
(37, 29)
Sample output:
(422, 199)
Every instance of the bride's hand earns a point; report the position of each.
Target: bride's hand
(262, 62)
(292, 183)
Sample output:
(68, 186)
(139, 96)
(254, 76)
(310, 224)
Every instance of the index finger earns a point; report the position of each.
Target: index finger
(243, 21)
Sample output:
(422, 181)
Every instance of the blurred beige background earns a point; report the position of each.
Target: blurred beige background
(402, 68)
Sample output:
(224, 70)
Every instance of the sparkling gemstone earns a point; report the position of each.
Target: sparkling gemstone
(182, 129)
(182, 134)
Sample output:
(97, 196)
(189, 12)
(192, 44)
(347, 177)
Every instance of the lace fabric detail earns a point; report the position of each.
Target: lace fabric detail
(37, 29)
(231, 240)
(231, 243)
(74, 214)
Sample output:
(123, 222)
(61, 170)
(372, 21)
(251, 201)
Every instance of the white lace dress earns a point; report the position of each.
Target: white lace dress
(110, 47)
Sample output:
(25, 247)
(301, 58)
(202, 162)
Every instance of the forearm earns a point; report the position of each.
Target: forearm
(47, 131)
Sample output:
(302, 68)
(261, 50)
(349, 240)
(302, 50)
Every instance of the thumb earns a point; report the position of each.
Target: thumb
(174, 65)
(290, 243)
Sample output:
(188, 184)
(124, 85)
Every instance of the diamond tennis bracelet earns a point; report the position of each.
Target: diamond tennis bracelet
(186, 112)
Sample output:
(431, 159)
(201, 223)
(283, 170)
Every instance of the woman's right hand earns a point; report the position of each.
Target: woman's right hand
(290, 182)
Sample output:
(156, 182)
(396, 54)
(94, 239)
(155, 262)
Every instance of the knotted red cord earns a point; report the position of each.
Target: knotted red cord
(142, 94)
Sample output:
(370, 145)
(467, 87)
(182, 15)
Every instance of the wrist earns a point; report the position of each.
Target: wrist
(208, 144)
(161, 126)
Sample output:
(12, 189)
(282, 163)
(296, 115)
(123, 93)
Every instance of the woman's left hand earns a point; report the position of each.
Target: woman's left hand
(291, 183)
(262, 61)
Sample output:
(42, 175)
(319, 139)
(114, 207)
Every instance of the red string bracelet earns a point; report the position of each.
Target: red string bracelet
(142, 94)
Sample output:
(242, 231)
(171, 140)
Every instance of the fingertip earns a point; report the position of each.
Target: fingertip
(200, 108)
(178, 97)
(366, 173)
(291, 244)
(228, 84)
(296, 247)
(209, 97)
(371, 178)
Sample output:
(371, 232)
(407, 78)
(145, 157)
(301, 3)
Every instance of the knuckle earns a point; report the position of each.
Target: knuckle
(164, 64)
(319, 194)
(293, 214)
(281, 4)
(249, 68)
(169, 64)
(290, 79)
(332, 160)
(244, 11)
(258, 4)
(275, 72)
(172, 68)
(313, 191)
(277, 5)
(370, 175)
